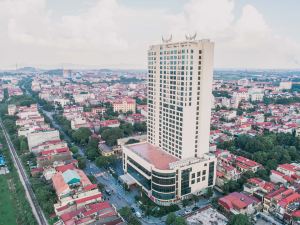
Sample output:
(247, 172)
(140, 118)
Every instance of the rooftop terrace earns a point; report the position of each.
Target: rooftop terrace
(153, 155)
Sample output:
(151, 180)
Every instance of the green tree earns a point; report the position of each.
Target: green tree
(132, 141)
(74, 149)
(105, 161)
(221, 94)
(23, 144)
(127, 129)
(209, 193)
(82, 135)
(111, 135)
(140, 127)
(239, 219)
(101, 161)
(81, 162)
(171, 218)
(127, 214)
(92, 150)
(180, 221)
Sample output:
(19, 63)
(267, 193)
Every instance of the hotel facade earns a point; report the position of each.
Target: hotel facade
(175, 162)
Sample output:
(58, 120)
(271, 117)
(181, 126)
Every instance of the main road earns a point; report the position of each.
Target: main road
(36, 209)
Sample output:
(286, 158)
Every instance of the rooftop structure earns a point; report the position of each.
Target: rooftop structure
(153, 155)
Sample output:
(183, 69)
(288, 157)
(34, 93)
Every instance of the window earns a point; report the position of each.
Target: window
(211, 173)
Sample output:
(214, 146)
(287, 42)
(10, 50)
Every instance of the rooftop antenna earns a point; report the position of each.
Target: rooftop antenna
(166, 40)
(190, 37)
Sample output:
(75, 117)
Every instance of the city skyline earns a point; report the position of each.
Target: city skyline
(115, 34)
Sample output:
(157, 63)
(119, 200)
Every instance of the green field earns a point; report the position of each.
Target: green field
(7, 209)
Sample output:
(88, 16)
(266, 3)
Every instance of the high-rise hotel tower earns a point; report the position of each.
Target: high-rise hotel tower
(175, 161)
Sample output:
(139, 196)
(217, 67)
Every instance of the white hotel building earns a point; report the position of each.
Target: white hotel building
(175, 161)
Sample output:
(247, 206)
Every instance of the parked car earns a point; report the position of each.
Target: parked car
(195, 208)
(138, 214)
(107, 191)
(187, 211)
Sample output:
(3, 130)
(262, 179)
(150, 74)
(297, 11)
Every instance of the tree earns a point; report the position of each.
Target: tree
(105, 161)
(127, 214)
(101, 161)
(221, 94)
(263, 174)
(127, 129)
(209, 193)
(111, 135)
(185, 202)
(23, 144)
(92, 150)
(81, 162)
(132, 141)
(74, 149)
(180, 221)
(140, 127)
(239, 219)
(82, 135)
(170, 218)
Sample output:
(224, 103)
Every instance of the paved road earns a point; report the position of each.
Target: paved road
(36, 209)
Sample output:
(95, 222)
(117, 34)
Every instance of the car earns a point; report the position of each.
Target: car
(195, 208)
(132, 209)
(107, 191)
(187, 211)
(138, 214)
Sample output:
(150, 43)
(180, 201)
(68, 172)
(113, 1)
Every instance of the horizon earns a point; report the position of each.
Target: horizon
(144, 70)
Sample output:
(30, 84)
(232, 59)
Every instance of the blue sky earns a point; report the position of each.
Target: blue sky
(117, 33)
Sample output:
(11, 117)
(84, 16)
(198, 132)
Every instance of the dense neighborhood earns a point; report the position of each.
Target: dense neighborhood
(64, 125)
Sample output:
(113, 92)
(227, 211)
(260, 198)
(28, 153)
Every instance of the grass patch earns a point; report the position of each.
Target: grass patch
(7, 210)
(13, 201)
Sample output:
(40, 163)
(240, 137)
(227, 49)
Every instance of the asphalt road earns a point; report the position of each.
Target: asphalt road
(36, 209)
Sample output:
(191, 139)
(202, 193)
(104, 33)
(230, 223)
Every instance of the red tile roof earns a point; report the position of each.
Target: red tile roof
(288, 167)
(64, 168)
(96, 196)
(288, 200)
(237, 201)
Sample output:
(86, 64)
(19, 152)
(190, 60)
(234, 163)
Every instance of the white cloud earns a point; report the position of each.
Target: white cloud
(110, 34)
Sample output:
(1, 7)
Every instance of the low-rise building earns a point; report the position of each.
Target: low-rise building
(74, 190)
(41, 136)
(78, 122)
(124, 105)
(240, 203)
(100, 213)
(12, 109)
